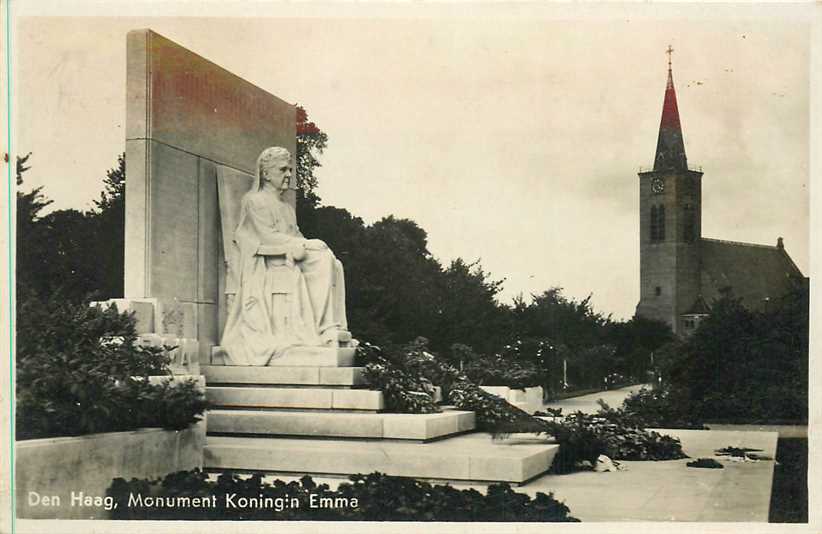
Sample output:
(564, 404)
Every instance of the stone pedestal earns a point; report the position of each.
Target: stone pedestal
(309, 412)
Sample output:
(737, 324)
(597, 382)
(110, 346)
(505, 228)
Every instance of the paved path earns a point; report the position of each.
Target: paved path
(654, 491)
(588, 403)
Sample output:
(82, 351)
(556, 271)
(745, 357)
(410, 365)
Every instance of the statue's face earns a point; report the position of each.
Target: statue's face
(278, 174)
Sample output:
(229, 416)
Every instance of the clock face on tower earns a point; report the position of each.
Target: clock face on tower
(657, 185)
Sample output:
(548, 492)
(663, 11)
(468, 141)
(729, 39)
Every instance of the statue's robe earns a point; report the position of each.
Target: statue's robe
(280, 303)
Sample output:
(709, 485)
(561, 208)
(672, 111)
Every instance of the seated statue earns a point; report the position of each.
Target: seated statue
(291, 290)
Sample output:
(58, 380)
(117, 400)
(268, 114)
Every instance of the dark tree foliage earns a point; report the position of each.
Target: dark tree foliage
(568, 322)
(746, 366)
(76, 254)
(740, 366)
(467, 310)
(29, 259)
(311, 141)
(109, 219)
(395, 282)
(636, 344)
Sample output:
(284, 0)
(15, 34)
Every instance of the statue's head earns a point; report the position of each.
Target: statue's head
(274, 166)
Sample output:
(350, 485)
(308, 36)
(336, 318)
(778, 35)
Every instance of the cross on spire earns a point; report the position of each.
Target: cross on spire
(670, 149)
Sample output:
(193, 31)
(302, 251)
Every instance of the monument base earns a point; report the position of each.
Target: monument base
(471, 457)
(314, 415)
(297, 357)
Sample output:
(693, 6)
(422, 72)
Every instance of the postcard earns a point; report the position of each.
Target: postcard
(460, 266)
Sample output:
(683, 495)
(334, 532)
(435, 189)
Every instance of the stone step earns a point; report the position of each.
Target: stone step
(471, 457)
(286, 376)
(421, 427)
(284, 397)
(301, 357)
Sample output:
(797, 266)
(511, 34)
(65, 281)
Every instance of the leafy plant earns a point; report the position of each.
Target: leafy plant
(497, 370)
(405, 390)
(581, 437)
(657, 408)
(371, 497)
(80, 371)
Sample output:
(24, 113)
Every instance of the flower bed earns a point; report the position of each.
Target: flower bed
(372, 497)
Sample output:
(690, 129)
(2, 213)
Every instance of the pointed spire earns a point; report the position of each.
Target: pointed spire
(670, 148)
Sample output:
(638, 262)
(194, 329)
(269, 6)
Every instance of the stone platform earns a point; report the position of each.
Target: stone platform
(470, 457)
(417, 427)
(313, 414)
(284, 375)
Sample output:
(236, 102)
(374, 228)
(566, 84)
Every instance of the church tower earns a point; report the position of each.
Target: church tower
(670, 200)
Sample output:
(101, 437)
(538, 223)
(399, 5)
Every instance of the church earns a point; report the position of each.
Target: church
(681, 272)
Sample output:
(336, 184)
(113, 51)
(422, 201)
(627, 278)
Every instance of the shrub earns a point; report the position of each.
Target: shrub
(406, 390)
(656, 408)
(745, 366)
(498, 370)
(581, 437)
(378, 497)
(80, 372)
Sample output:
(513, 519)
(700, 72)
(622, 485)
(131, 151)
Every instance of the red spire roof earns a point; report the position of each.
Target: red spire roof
(670, 148)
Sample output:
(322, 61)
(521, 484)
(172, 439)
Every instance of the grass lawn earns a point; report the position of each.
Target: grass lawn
(789, 498)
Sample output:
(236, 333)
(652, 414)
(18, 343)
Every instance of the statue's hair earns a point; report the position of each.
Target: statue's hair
(267, 159)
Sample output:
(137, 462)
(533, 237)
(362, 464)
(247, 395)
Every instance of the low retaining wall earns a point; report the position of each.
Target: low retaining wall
(529, 399)
(67, 478)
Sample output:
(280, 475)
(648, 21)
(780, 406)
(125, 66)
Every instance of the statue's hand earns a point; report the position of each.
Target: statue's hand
(297, 250)
(315, 244)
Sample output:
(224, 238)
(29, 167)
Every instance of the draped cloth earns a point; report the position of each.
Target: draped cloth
(280, 303)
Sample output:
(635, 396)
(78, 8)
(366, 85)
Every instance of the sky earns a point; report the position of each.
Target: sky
(511, 135)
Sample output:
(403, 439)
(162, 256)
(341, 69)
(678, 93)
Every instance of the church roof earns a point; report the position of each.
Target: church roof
(670, 147)
(754, 273)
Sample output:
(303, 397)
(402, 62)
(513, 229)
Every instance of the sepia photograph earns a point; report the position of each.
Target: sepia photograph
(456, 264)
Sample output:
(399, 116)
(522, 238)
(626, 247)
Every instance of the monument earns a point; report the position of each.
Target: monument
(193, 134)
(216, 265)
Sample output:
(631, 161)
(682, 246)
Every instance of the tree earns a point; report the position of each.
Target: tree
(568, 322)
(311, 141)
(466, 309)
(109, 220)
(29, 259)
(743, 365)
(393, 283)
(635, 341)
(78, 255)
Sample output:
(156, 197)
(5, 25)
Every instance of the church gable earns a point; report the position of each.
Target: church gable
(753, 272)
